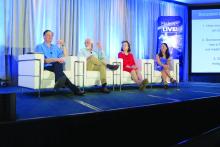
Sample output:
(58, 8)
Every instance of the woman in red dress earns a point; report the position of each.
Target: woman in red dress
(130, 66)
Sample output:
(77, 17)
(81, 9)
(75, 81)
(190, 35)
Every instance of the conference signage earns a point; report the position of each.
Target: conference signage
(170, 31)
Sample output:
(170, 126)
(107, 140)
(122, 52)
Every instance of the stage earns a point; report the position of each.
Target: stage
(165, 116)
(54, 104)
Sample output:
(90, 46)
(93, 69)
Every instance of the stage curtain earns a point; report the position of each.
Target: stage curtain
(2, 41)
(107, 21)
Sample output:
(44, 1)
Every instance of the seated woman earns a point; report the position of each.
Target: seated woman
(163, 64)
(130, 66)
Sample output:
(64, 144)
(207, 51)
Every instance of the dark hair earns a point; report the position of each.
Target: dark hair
(129, 48)
(45, 32)
(167, 53)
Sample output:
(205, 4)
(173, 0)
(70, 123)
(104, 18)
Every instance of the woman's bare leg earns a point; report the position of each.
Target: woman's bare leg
(167, 72)
(134, 76)
(171, 78)
(138, 73)
(164, 76)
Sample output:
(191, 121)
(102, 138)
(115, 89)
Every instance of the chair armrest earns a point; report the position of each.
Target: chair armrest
(146, 67)
(68, 62)
(76, 65)
(30, 65)
(175, 68)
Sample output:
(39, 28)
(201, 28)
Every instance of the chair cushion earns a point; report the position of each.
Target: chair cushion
(157, 73)
(96, 74)
(126, 74)
(48, 75)
(92, 74)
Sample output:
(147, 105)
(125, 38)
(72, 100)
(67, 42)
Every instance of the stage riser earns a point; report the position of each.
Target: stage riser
(159, 125)
(7, 107)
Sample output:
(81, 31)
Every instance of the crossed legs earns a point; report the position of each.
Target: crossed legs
(166, 74)
(136, 76)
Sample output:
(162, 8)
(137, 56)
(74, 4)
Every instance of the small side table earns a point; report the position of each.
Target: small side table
(79, 75)
(116, 74)
(146, 73)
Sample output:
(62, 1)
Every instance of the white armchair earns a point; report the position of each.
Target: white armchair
(149, 71)
(126, 76)
(31, 73)
(90, 78)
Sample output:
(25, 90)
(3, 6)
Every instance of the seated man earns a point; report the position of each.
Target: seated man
(96, 62)
(54, 60)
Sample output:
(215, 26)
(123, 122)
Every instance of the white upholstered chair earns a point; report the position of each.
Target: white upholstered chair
(149, 71)
(31, 73)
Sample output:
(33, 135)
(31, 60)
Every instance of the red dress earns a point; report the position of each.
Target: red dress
(127, 60)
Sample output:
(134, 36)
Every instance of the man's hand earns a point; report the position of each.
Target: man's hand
(60, 43)
(51, 60)
(99, 46)
(60, 60)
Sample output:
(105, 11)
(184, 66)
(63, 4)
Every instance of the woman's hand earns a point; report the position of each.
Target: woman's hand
(128, 66)
(134, 66)
(165, 66)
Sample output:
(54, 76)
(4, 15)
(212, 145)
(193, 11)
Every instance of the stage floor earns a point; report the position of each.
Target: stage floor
(51, 104)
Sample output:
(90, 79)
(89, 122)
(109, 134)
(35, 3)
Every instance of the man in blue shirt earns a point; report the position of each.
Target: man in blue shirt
(54, 61)
(96, 62)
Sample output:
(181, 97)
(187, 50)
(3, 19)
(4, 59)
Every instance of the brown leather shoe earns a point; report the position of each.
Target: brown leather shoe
(79, 93)
(143, 84)
(172, 80)
(112, 67)
(165, 86)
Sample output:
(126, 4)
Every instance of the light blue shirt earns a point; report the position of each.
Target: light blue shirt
(49, 52)
(84, 52)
